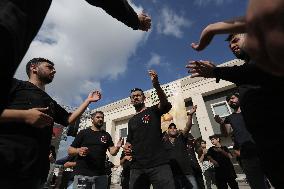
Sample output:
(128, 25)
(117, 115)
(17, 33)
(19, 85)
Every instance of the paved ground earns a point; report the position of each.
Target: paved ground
(242, 185)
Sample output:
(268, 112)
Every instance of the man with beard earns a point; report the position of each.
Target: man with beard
(149, 159)
(90, 146)
(26, 127)
(21, 20)
(175, 142)
(255, 88)
(234, 124)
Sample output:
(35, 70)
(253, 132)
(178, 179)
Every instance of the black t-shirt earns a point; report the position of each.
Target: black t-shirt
(240, 133)
(179, 159)
(30, 146)
(97, 142)
(145, 135)
(225, 168)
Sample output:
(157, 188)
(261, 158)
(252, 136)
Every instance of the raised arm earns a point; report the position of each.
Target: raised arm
(236, 25)
(93, 97)
(122, 11)
(113, 150)
(164, 103)
(188, 125)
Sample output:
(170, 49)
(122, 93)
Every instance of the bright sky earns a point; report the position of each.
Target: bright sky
(91, 50)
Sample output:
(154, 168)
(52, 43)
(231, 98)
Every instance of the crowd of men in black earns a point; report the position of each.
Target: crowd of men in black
(164, 160)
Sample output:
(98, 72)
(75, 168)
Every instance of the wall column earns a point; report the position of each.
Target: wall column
(204, 123)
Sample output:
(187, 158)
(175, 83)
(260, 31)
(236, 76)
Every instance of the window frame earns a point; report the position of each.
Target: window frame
(220, 103)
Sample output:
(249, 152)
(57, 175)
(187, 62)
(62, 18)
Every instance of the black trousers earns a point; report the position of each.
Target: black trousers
(160, 177)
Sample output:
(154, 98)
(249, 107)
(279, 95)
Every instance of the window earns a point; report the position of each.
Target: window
(123, 133)
(221, 108)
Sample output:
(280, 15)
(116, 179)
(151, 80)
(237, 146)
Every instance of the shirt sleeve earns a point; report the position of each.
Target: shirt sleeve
(162, 110)
(110, 142)
(227, 120)
(61, 115)
(77, 143)
(119, 9)
(246, 74)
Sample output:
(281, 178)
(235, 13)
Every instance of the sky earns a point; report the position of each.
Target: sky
(91, 50)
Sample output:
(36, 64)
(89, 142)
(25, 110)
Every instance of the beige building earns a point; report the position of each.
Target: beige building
(208, 95)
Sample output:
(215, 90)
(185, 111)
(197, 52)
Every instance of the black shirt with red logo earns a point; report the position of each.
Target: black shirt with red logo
(97, 142)
(145, 135)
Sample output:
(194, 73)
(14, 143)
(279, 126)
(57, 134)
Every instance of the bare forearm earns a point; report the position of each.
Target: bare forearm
(73, 151)
(122, 161)
(78, 112)
(237, 25)
(188, 125)
(13, 115)
(114, 150)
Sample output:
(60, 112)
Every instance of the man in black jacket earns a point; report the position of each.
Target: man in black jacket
(21, 20)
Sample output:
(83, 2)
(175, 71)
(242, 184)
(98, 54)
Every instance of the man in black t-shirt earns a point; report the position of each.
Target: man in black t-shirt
(21, 20)
(26, 127)
(90, 145)
(234, 124)
(175, 142)
(220, 156)
(144, 140)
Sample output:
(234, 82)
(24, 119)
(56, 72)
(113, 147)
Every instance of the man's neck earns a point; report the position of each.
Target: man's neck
(37, 83)
(218, 145)
(94, 128)
(238, 110)
(138, 110)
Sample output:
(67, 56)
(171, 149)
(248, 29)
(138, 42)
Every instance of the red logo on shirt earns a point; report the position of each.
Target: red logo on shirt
(146, 119)
(104, 139)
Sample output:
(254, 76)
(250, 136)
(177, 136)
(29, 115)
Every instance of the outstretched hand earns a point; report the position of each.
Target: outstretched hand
(154, 77)
(94, 96)
(37, 117)
(192, 110)
(144, 21)
(120, 142)
(127, 149)
(218, 119)
(201, 69)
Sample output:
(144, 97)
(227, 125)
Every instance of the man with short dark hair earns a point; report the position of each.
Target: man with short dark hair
(21, 20)
(90, 147)
(26, 127)
(234, 124)
(220, 156)
(149, 159)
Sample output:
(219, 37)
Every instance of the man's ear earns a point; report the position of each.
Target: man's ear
(33, 68)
